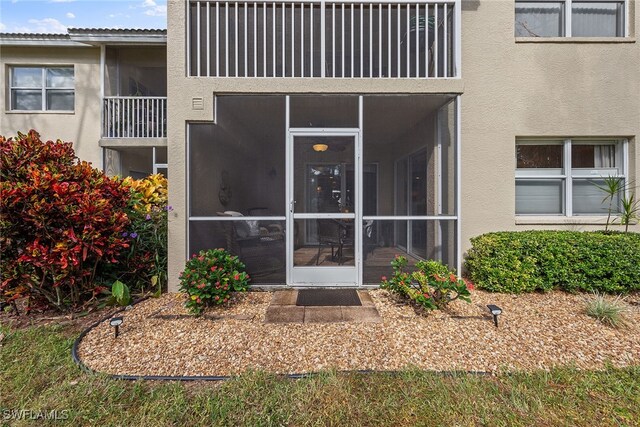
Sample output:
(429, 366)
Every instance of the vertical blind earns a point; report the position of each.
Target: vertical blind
(588, 19)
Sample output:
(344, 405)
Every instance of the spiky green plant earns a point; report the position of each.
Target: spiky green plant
(612, 187)
(609, 311)
(629, 209)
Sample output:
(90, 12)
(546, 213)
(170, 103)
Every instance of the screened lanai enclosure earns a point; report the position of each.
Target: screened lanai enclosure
(326, 190)
(317, 38)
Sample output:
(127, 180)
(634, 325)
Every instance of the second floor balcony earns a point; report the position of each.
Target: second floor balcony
(317, 38)
(135, 89)
(134, 117)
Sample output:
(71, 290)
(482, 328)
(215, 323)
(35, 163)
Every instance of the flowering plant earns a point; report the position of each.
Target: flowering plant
(209, 278)
(146, 261)
(143, 266)
(432, 285)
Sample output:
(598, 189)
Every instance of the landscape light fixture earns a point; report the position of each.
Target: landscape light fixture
(116, 322)
(495, 311)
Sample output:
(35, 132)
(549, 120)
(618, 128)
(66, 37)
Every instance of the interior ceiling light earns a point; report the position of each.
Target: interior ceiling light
(320, 147)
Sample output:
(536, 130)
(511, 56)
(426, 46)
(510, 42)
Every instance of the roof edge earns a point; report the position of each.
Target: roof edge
(82, 37)
(37, 39)
(118, 36)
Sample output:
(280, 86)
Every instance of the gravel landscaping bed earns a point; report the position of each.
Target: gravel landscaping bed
(537, 331)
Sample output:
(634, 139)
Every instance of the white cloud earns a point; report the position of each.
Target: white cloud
(153, 9)
(157, 11)
(46, 25)
(2, 27)
(70, 15)
(118, 15)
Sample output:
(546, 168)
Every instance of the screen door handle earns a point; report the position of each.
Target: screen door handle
(292, 205)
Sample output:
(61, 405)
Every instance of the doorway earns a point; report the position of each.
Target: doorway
(324, 206)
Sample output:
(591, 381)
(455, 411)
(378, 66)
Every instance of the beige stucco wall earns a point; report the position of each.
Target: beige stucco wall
(82, 126)
(532, 88)
(509, 88)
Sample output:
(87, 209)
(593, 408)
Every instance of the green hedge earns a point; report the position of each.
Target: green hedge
(528, 261)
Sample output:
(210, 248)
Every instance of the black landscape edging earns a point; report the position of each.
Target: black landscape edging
(76, 343)
(85, 368)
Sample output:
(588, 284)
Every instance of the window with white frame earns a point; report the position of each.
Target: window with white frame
(566, 176)
(570, 18)
(42, 88)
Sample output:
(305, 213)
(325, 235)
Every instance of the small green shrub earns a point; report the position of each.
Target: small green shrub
(611, 312)
(209, 278)
(120, 293)
(400, 278)
(431, 267)
(432, 285)
(528, 261)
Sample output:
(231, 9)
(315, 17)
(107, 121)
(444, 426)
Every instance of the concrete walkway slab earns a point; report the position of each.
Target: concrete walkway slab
(361, 314)
(284, 298)
(365, 299)
(284, 314)
(317, 314)
(283, 309)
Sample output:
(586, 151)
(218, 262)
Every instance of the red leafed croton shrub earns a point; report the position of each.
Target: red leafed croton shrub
(432, 285)
(59, 218)
(209, 278)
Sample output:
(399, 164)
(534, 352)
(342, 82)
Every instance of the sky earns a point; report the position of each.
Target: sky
(55, 16)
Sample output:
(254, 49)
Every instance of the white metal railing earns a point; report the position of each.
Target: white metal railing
(134, 117)
(321, 38)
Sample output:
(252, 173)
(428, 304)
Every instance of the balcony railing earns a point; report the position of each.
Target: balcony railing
(134, 117)
(318, 38)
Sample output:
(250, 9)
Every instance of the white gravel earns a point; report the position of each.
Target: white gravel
(537, 331)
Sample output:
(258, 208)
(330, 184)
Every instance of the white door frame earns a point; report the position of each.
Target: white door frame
(324, 276)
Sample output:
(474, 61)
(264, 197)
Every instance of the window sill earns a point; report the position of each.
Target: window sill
(39, 112)
(565, 220)
(575, 39)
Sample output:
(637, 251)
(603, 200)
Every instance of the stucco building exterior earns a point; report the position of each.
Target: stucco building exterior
(104, 90)
(508, 112)
(318, 140)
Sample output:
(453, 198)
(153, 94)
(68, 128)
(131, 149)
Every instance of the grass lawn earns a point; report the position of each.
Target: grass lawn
(36, 373)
